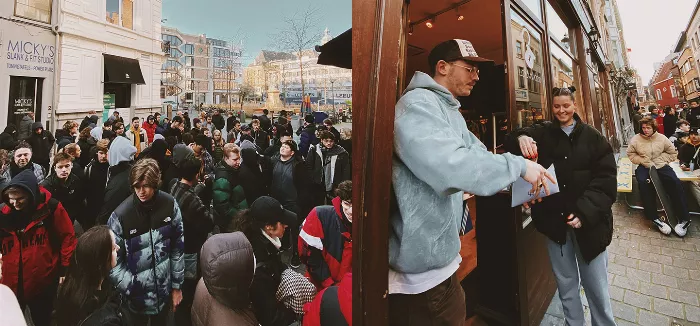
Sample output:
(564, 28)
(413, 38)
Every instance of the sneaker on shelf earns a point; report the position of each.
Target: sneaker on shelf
(295, 262)
(682, 228)
(663, 226)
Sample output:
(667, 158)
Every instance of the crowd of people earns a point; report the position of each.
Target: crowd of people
(204, 221)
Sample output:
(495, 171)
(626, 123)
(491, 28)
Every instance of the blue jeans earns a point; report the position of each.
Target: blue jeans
(673, 187)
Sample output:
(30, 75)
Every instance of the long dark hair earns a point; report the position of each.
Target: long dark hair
(89, 266)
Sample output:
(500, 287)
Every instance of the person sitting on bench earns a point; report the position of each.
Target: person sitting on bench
(690, 160)
(650, 148)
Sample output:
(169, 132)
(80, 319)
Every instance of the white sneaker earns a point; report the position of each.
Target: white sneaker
(663, 226)
(681, 228)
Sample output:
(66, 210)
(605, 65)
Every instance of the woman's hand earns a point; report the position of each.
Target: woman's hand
(573, 221)
(528, 146)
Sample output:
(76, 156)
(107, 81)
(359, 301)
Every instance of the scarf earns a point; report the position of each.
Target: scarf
(275, 241)
(137, 140)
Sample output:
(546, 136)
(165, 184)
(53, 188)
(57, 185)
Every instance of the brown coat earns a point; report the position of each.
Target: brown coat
(656, 150)
(222, 296)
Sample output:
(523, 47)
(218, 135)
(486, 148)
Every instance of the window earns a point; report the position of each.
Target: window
(519, 49)
(658, 94)
(120, 92)
(121, 13)
(189, 61)
(696, 82)
(189, 49)
(673, 91)
(695, 44)
(189, 73)
(39, 10)
(174, 40)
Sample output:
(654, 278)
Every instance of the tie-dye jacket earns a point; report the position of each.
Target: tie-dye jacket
(140, 230)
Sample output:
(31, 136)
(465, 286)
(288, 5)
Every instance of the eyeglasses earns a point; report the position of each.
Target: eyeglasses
(471, 70)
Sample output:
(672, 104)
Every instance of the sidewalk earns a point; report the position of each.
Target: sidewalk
(654, 279)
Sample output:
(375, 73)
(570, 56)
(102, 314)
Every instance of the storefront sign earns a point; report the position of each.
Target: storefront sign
(108, 101)
(30, 56)
(521, 95)
(529, 58)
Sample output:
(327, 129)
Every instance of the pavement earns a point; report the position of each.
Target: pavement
(654, 279)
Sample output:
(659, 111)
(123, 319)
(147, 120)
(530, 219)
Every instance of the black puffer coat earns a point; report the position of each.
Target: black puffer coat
(587, 177)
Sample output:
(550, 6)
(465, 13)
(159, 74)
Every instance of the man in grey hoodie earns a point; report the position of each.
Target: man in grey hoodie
(436, 160)
(24, 130)
(120, 158)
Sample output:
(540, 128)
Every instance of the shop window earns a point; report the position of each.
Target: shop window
(39, 10)
(121, 13)
(558, 29)
(120, 92)
(531, 104)
(565, 70)
(534, 6)
(24, 96)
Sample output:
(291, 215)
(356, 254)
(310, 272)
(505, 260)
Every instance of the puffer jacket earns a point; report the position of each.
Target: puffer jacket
(48, 240)
(24, 129)
(222, 295)
(332, 306)
(151, 253)
(229, 197)
(656, 150)
(688, 154)
(71, 193)
(14, 170)
(587, 177)
(321, 160)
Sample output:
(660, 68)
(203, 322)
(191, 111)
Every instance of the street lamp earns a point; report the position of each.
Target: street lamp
(333, 94)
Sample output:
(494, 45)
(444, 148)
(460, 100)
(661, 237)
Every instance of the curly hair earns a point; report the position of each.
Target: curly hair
(649, 122)
(344, 190)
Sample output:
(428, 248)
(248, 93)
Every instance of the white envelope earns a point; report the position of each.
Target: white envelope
(521, 189)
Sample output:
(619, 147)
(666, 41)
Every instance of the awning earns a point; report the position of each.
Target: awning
(337, 52)
(122, 70)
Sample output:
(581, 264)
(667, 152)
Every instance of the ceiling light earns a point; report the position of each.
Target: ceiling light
(459, 17)
(429, 24)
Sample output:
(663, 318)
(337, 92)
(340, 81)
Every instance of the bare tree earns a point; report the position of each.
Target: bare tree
(300, 32)
(244, 91)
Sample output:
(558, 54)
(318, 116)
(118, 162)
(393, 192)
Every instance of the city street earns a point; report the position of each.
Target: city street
(654, 279)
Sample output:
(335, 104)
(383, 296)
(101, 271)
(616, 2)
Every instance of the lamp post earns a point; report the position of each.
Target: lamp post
(333, 94)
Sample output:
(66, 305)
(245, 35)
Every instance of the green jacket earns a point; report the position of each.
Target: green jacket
(228, 196)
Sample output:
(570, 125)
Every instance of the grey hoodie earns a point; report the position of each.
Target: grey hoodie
(436, 159)
(120, 150)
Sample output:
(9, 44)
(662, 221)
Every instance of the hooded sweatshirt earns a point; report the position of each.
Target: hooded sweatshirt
(436, 159)
(7, 138)
(121, 153)
(222, 295)
(25, 128)
(41, 143)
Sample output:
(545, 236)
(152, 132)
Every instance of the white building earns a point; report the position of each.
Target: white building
(282, 71)
(27, 58)
(109, 57)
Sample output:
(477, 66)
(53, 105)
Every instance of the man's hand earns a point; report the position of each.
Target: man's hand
(573, 221)
(177, 298)
(537, 175)
(528, 146)
(684, 168)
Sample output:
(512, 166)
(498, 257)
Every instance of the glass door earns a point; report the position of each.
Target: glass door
(24, 97)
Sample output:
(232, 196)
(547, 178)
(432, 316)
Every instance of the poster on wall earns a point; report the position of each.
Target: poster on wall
(109, 106)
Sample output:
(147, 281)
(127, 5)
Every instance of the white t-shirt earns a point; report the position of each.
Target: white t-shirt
(421, 282)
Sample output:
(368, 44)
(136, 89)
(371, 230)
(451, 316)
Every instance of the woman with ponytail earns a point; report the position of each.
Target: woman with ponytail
(84, 299)
(578, 220)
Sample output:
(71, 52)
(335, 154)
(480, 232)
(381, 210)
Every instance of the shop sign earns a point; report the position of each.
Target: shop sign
(30, 56)
(108, 101)
(521, 95)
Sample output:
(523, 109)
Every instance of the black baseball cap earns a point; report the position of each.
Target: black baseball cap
(693, 130)
(245, 127)
(177, 118)
(269, 211)
(455, 49)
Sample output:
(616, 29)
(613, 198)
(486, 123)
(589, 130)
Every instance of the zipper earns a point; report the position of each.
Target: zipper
(155, 276)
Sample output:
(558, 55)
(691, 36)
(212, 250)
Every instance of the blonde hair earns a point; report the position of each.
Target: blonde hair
(71, 149)
(147, 171)
(231, 149)
(345, 133)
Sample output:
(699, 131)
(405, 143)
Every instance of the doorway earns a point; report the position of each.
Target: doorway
(25, 97)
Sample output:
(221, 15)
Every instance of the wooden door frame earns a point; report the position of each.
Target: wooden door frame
(378, 61)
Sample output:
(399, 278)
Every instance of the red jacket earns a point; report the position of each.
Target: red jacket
(660, 124)
(334, 303)
(150, 130)
(41, 265)
(325, 245)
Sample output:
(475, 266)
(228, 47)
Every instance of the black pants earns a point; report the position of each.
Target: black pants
(673, 187)
(441, 305)
(41, 306)
(183, 313)
(161, 319)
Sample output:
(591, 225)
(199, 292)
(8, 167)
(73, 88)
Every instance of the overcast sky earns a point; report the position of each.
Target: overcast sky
(257, 19)
(651, 29)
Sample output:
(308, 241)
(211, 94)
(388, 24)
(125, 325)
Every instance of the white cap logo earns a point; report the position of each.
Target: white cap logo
(466, 48)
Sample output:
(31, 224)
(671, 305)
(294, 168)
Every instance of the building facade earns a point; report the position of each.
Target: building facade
(664, 84)
(27, 60)
(283, 71)
(689, 74)
(110, 56)
(199, 70)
